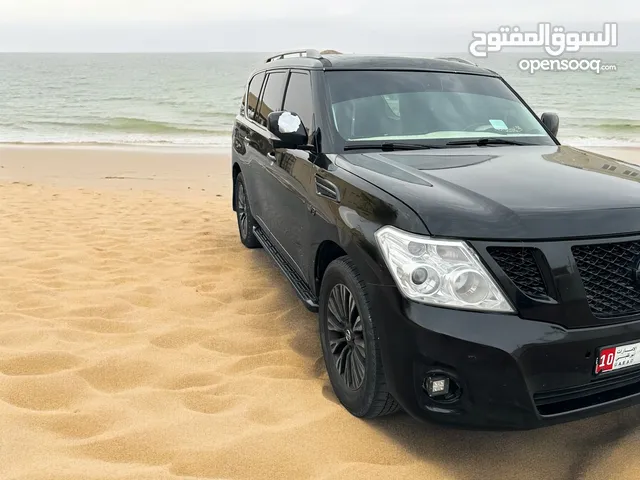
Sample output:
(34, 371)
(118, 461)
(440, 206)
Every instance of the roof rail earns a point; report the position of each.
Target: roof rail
(457, 59)
(309, 52)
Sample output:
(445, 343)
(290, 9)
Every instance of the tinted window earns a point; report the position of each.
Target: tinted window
(254, 94)
(272, 97)
(298, 98)
(385, 105)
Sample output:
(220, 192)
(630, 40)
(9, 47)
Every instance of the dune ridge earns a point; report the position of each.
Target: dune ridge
(140, 340)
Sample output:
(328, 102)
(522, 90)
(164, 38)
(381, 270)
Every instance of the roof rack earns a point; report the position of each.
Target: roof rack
(457, 59)
(309, 52)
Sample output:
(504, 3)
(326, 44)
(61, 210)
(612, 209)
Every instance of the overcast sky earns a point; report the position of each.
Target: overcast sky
(271, 25)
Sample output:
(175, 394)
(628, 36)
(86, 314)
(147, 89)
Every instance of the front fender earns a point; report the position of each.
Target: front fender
(352, 223)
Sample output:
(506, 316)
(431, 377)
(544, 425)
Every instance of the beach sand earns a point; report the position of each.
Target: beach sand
(140, 340)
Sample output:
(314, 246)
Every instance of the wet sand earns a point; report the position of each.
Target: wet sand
(140, 340)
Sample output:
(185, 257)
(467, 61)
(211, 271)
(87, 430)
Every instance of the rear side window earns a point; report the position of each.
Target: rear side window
(254, 94)
(298, 98)
(272, 96)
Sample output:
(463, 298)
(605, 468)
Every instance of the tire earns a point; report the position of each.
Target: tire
(246, 222)
(363, 393)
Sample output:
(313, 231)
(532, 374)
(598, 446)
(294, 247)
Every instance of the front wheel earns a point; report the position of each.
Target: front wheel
(349, 346)
(246, 222)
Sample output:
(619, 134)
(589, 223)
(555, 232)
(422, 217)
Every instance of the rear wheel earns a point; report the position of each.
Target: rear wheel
(349, 346)
(246, 222)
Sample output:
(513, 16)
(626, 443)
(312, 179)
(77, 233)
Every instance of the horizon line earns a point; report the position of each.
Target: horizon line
(177, 52)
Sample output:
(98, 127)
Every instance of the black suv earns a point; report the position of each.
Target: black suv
(466, 267)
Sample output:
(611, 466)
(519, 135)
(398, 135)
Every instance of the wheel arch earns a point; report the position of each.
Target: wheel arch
(360, 251)
(327, 252)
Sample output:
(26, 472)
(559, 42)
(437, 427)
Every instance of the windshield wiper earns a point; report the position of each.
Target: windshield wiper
(390, 146)
(487, 141)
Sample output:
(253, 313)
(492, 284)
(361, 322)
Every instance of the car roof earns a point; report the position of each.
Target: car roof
(314, 60)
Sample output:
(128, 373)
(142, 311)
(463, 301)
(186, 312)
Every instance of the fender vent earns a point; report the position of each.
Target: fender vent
(325, 188)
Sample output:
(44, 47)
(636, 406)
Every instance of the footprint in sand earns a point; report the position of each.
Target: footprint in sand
(147, 289)
(140, 299)
(192, 380)
(275, 364)
(74, 425)
(207, 287)
(146, 448)
(211, 403)
(23, 337)
(101, 325)
(46, 392)
(39, 363)
(111, 311)
(116, 375)
(268, 415)
(180, 337)
(239, 344)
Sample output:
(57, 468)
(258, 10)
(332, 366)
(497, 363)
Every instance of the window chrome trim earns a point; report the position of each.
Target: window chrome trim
(259, 93)
(284, 98)
(288, 71)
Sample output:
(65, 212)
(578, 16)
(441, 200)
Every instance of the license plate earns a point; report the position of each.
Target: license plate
(614, 358)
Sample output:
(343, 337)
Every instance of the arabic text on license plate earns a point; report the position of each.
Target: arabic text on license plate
(613, 358)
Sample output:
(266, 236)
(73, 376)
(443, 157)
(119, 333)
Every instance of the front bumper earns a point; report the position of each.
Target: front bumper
(513, 373)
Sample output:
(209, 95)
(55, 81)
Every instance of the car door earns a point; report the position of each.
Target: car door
(245, 141)
(292, 172)
(268, 188)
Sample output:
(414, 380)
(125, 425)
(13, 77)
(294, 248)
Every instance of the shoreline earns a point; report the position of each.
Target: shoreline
(203, 172)
(172, 147)
(218, 149)
(622, 152)
(625, 154)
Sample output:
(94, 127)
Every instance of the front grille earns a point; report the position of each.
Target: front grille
(520, 265)
(599, 391)
(607, 275)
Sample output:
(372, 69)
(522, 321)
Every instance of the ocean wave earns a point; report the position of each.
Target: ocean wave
(619, 127)
(215, 142)
(120, 98)
(582, 141)
(128, 125)
(224, 141)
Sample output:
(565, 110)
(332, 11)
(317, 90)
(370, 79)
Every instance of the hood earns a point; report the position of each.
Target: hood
(509, 192)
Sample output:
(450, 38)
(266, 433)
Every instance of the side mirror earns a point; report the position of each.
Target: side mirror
(288, 128)
(551, 121)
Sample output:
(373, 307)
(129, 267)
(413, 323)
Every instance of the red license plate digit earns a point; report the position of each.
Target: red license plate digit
(605, 360)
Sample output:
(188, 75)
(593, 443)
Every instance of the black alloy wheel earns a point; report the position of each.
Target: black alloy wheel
(350, 344)
(246, 222)
(346, 337)
(242, 210)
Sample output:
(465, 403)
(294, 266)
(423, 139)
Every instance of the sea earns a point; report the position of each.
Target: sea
(192, 99)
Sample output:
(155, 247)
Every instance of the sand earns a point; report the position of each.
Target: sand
(140, 340)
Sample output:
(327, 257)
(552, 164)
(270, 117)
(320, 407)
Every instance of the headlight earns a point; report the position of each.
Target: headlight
(447, 273)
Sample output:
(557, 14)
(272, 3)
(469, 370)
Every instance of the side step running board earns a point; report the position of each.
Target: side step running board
(300, 286)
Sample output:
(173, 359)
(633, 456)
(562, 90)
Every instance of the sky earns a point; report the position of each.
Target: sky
(273, 25)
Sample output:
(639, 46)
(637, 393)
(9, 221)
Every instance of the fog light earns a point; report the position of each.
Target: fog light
(437, 385)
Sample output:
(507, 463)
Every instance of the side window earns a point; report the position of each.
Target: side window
(254, 94)
(272, 96)
(298, 98)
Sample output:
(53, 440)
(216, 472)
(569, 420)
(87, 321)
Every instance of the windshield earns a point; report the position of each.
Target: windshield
(428, 108)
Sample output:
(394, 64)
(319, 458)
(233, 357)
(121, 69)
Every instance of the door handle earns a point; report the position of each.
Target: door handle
(311, 209)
